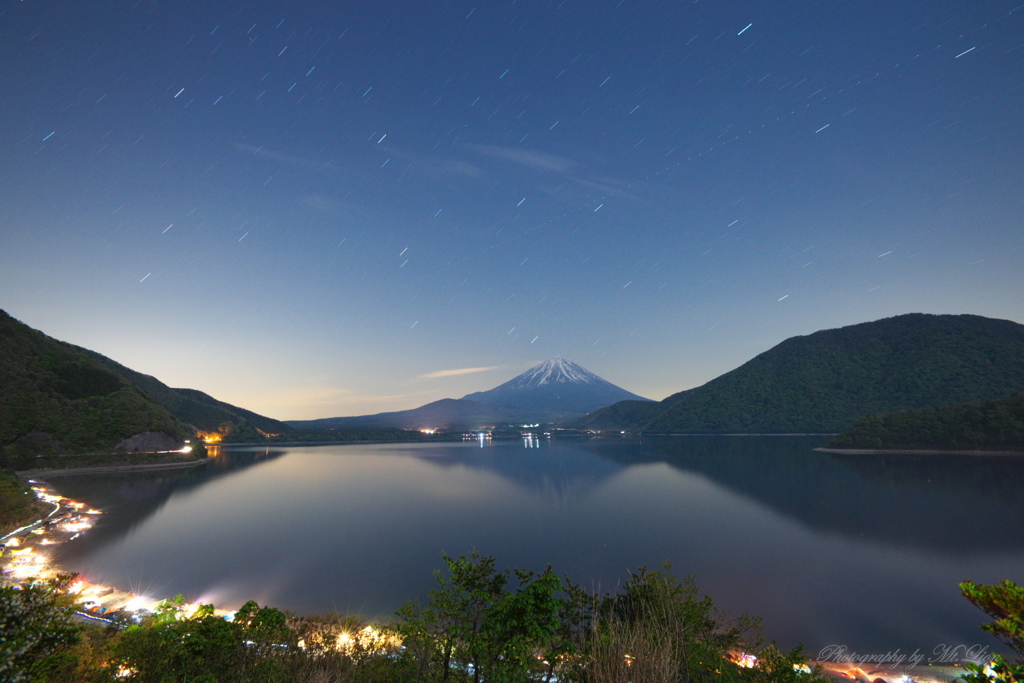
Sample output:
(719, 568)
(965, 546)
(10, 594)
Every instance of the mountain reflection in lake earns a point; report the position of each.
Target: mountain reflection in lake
(859, 551)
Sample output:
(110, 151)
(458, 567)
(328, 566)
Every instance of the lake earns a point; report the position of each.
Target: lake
(860, 551)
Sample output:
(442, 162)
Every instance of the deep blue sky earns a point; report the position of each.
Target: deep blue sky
(313, 209)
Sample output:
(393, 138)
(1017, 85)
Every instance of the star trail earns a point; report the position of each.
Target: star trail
(311, 209)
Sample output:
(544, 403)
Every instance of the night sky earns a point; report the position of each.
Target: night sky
(320, 209)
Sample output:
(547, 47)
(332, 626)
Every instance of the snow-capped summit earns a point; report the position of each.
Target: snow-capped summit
(554, 370)
(554, 390)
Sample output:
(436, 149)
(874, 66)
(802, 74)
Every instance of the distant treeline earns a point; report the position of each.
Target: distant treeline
(348, 435)
(989, 425)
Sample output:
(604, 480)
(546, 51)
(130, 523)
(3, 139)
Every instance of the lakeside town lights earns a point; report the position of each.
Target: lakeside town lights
(67, 521)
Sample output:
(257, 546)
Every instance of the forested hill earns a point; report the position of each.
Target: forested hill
(826, 381)
(200, 410)
(56, 398)
(996, 425)
(624, 415)
(59, 398)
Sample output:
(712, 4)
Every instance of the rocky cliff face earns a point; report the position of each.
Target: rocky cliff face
(149, 442)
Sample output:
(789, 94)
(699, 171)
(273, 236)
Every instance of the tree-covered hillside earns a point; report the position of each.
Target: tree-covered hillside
(55, 398)
(198, 409)
(826, 381)
(990, 425)
(624, 415)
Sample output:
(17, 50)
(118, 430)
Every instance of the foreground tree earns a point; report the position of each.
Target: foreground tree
(479, 624)
(1004, 602)
(659, 628)
(36, 628)
(475, 627)
(181, 645)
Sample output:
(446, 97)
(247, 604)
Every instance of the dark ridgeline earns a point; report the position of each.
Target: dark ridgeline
(56, 398)
(826, 381)
(59, 398)
(201, 410)
(448, 413)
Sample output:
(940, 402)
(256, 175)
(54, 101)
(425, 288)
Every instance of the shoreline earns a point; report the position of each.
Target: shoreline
(347, 442)
(914, 451)
(69, 471)
(888, 672)
(70, 518)
(673, 434)
(26, 556)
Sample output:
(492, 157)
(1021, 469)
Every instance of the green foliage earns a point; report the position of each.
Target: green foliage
(661, 628)
(473, 623)
(1004, 602)
(17, 503)
(36, 627)
(199, 450)
(174, 645)
(656, 628)
(60, 398)
(196, 408)
(991, 425)
(479, 624)
(826, 381)
(996, 671)
(57, 398)
(624, 415)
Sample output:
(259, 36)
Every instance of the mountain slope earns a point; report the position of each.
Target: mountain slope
(56, 398)
(825, 381)
(448, 413)
(624, 415)
(556, 389)
(991, 425)
(198, 409)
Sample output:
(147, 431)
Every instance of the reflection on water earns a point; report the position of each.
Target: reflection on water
(131, 497)
(558, 476)
(948, 504)
(864, 552)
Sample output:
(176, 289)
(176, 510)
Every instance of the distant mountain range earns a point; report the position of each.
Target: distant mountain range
(56, 397)
(448, 413)
(556, 390)
(59, 398)
(826, 381)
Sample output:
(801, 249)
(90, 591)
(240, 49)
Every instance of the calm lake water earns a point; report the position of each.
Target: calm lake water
(860, 551)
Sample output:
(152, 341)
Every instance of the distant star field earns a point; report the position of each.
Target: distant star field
(314, 209)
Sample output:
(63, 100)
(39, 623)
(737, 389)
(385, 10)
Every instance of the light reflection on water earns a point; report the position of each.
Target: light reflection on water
(854, 551)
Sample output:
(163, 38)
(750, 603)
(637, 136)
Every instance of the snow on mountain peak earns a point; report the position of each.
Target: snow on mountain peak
(553, 389)
(556, 370)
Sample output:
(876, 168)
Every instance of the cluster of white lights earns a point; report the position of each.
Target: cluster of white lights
(24, 562)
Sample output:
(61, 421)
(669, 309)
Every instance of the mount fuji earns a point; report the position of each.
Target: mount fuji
(555, 390)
